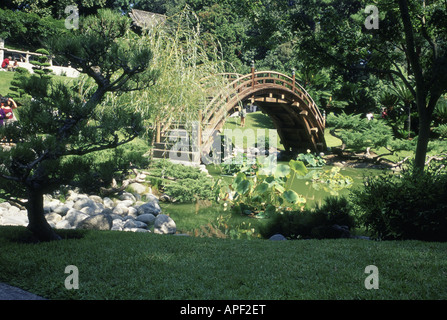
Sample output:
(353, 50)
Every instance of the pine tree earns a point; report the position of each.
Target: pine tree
(65, 121)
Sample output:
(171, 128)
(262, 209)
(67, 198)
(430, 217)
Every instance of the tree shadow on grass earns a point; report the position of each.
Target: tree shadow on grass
(261, 121)
(19, 234)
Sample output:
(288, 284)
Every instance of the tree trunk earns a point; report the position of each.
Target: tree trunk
(38, 225)
(422, 144)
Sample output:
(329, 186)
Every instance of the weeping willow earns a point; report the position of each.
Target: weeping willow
(183, 60)
(189, 71)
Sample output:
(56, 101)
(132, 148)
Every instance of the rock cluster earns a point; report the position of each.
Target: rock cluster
(81, 211)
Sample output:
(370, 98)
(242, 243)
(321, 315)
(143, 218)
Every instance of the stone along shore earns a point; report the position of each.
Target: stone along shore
(135, 211)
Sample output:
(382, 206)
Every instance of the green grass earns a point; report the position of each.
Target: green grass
(258, 120)
(6, 78)
(254, 121)
(331, 141)
(122, 265)
(5, 82)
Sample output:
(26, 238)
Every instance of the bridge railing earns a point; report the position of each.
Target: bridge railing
(240, 85)
(236, 86)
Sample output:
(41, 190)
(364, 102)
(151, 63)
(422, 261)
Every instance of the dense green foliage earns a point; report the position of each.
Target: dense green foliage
(28, 30)
(313, 223)
(405, 206)
(181, 183)
(311, 160)
(266, 192)
(64, 122)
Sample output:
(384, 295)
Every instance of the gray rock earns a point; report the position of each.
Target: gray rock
(108, 203)
(138, 188)
(13, 210)
(136, 230)
(125, 203)
(150, 197)
(15, 220)
(147, 218)
(63, 224)
(49, 206)
(5, 205)
(121, 211)
(127, 196)
(97, 222)
(53, 217)
(88, 210)
(149, 208)
(117, 224)
(97, 199)
(83, 202)
(61, 209)
(132, 212)
(164, 225)
(277, 237)
(75, 217)
(130, 223)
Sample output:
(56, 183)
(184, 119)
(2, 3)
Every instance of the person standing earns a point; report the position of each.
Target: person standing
(243, 116)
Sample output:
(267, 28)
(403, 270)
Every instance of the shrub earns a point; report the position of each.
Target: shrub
(181, 183)
(190, 190)
(333, 219)
(406, 206)
(441, 130)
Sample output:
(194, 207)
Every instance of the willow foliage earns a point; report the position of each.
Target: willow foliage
(184, 60)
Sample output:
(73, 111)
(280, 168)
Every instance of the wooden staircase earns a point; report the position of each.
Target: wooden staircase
(178, 143)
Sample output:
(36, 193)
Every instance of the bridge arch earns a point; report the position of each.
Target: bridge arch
(296, 117)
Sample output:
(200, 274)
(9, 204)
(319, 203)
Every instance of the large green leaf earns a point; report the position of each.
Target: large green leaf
(293, 197)
(243, 187)
(298, 167)
(262, 188)
(282, 170)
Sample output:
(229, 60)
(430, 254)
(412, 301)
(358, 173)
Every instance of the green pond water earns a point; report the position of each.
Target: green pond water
(191, 216)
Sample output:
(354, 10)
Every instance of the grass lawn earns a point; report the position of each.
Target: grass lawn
(253, 122)
(5, 82)
(6, 78)
(258, 120)
(126, 265)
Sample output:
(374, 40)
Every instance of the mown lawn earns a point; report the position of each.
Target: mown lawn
(5, 82)
(122, 265)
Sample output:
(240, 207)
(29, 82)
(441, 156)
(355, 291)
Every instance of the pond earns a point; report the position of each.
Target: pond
(204, 217)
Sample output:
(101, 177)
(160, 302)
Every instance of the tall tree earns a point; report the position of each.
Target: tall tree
(64, 122)
(406, 40)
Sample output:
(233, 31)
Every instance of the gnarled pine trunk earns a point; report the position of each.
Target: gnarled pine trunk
(38, 225)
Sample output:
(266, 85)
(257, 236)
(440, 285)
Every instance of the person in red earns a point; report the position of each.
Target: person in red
(7, 106)
(2, 115)
(5, 63)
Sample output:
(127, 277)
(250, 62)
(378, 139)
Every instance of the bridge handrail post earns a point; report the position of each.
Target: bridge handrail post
(199, 134)
(158, 127)
(293, 80)
(252, 74)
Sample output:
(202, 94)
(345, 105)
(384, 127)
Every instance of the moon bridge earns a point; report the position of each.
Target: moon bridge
(295, 115)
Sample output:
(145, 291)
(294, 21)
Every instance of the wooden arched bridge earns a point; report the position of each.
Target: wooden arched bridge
(298, 121)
